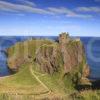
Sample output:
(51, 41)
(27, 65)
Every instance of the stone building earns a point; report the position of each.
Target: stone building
(64, 38)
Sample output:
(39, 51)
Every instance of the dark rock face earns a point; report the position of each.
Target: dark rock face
(47, 57)
(72, 52)
(16, 63)
(69, 51)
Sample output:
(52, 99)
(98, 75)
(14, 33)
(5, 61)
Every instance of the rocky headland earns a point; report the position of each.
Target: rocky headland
(50, 70)
(66, 56)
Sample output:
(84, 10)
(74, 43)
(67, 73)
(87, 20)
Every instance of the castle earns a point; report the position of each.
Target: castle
(64, 38)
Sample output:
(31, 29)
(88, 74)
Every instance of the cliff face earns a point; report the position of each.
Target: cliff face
(47, 56)
(70, 52)
(66, 56)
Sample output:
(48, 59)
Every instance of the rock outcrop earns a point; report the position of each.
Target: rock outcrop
(66, 55)
(47, 56)
(70, 51)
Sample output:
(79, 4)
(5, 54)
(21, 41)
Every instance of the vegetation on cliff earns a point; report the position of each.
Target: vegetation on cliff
(46, 68)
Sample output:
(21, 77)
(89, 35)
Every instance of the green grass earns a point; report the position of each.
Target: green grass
(23, 50)
(23, 77)
(25, 85)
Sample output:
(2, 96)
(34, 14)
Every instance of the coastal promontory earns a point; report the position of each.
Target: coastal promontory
(47, 68)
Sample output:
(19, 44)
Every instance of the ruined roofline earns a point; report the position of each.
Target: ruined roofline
(65, 38)
(64, 34)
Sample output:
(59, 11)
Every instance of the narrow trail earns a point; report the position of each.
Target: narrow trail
(32, 72)
(3, 77)
(39, 73)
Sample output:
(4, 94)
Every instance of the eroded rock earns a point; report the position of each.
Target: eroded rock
(65, 56)
(70, 51)
(47, 56)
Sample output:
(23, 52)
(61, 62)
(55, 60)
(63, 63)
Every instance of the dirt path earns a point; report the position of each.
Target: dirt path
(3, 77)
(32, 72)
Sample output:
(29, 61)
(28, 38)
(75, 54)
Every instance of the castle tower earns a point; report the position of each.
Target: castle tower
(64, 38)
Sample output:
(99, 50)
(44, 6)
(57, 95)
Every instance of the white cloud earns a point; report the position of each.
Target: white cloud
(88, 9)
(61, 10)
(27, 2)
(80, 16)
(21, 8)
(27, 7)
(68, 12)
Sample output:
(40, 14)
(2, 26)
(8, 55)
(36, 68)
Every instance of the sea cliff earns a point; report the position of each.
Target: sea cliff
(50, 70)
(66, 56)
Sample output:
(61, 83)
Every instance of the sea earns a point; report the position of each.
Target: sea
(91, 46)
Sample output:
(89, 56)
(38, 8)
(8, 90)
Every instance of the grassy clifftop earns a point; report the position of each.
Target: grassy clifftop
(44, 70)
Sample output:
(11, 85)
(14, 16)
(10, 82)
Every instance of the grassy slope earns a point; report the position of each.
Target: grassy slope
(88, 95)
(21, 82)
(24, 83)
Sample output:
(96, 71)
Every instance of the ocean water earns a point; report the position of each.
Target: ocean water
(92, 50)
(91, 45)
(6, 42)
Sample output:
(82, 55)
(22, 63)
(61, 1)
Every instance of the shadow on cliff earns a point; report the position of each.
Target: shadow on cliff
(95, 86)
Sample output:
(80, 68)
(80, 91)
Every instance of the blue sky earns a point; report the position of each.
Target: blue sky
(50, 17)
